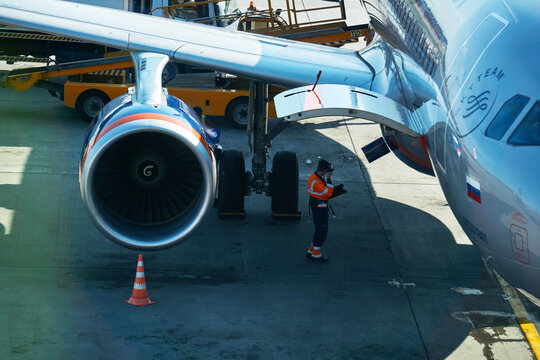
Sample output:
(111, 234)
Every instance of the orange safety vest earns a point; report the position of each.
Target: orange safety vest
(318, 189)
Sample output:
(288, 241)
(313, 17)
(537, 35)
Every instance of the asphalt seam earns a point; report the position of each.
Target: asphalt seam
(372, 197)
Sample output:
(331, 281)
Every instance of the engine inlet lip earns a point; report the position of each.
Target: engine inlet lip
(172, 236)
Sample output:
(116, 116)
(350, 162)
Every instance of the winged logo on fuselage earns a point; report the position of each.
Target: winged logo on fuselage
(477, 98)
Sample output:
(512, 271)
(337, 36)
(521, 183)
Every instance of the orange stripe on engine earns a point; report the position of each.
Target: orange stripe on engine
(84, 158)
(140, 116)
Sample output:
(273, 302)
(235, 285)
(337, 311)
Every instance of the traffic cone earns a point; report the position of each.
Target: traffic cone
(139, 296)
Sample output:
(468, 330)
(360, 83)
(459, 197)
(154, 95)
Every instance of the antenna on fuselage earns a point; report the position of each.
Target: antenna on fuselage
(316, 81)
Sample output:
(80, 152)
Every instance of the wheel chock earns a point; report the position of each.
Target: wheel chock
(232, 215)
(293, 216)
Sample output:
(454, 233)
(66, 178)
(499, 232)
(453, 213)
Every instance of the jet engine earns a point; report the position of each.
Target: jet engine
(147, 173)
(410, 150)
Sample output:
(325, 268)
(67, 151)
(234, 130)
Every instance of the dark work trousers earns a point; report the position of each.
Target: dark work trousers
(320, 220)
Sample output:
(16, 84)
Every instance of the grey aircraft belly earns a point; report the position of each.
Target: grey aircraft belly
(455, 86)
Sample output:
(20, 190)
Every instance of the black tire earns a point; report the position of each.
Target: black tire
(284, 183)
(232, 183)
(169, 73)
(90, 103)
(237, 112)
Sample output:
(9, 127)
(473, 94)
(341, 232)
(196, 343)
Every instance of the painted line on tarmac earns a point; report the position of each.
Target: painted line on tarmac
(527, 327)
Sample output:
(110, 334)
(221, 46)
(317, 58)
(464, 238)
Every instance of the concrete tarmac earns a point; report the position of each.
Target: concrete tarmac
(403, 281)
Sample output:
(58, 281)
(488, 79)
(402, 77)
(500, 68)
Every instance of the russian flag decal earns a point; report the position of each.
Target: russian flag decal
(473, 189)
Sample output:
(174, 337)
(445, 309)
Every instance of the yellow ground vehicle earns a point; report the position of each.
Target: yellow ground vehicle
(104, 79)
(88, 98)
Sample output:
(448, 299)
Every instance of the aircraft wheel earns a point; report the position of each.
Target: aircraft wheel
(90, 103)
(237, 112)
(232, 184)
(284, 183)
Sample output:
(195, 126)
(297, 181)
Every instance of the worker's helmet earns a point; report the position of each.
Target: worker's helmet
(324, 165)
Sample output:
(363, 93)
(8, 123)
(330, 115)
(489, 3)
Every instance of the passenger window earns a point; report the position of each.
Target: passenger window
(528, 132)
(506, 116)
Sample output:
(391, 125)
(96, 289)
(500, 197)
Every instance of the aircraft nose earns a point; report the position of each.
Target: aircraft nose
(524, 220)
(516, 243)
(521, 265)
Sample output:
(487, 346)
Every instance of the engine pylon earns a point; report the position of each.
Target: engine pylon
(139, 297)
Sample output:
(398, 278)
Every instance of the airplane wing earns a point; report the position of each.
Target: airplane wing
(273, 60)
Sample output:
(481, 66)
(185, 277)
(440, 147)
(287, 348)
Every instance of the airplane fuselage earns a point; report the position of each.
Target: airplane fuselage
(484, 142)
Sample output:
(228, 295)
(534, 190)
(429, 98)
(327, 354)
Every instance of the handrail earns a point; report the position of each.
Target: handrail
(292, 13)
(167, 9)
(292, 10)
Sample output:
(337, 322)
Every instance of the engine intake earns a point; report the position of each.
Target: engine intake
(147, 182)
(148, 179)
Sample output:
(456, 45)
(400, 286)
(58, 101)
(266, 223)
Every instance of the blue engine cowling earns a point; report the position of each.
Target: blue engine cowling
(148, 173)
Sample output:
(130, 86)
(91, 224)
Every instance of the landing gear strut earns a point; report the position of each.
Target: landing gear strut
(281, 183)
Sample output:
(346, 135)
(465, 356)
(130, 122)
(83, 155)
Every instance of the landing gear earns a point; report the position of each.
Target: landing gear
(232, 185)
(284, 184)
(281, 183)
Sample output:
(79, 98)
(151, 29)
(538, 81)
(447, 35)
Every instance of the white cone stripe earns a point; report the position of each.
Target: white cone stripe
(139, 286)
(140, 274)
(140, 263)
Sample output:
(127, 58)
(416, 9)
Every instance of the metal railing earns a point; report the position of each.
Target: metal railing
(292, 13)
(274, 18)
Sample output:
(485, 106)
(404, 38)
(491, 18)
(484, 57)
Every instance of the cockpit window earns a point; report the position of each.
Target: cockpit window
(528, 132)
(506, 116)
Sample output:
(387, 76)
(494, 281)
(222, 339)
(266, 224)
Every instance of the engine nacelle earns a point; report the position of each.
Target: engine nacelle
(410, 150)
(147, 174)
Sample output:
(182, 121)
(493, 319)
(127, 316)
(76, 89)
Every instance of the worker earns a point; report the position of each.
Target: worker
(320, 191)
